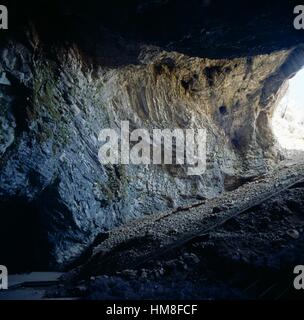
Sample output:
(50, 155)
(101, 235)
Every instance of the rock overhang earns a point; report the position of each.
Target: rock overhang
(71, 85)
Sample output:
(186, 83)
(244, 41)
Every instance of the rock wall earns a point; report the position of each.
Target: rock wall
(54, 104)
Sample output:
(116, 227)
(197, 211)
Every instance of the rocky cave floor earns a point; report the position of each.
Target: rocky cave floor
(243, 244)
(248, 256)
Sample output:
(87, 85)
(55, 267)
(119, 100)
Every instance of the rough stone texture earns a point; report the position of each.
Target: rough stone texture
(55, 99)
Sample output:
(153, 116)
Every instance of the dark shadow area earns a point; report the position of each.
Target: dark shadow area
(23, 245)
(116, 29)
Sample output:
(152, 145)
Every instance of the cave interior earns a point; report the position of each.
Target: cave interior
(68, 69)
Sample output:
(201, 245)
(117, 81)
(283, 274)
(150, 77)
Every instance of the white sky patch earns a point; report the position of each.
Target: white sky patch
(288, 117)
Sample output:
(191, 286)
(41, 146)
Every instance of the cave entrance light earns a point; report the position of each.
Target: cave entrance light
(288, 117)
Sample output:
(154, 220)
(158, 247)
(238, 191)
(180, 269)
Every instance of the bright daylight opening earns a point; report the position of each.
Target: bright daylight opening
(288, 117)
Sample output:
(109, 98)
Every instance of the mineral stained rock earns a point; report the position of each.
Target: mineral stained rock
(54, 102)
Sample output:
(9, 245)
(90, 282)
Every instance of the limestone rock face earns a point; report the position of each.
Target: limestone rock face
(54, 104)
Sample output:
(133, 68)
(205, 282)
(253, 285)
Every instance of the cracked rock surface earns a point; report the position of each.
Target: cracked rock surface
(56, 96)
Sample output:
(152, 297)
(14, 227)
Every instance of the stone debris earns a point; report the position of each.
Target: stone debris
(293, 233)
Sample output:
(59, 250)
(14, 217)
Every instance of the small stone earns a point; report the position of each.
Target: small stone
(194, 258)
(293, 233)
(149, 232)
(216, 210)
(144, 274)
(183, 265)
(161, 271)
(173, 231)
(4, 80)
(81, 289)
(129, 273)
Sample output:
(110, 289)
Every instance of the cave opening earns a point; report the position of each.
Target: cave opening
(288, 115)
